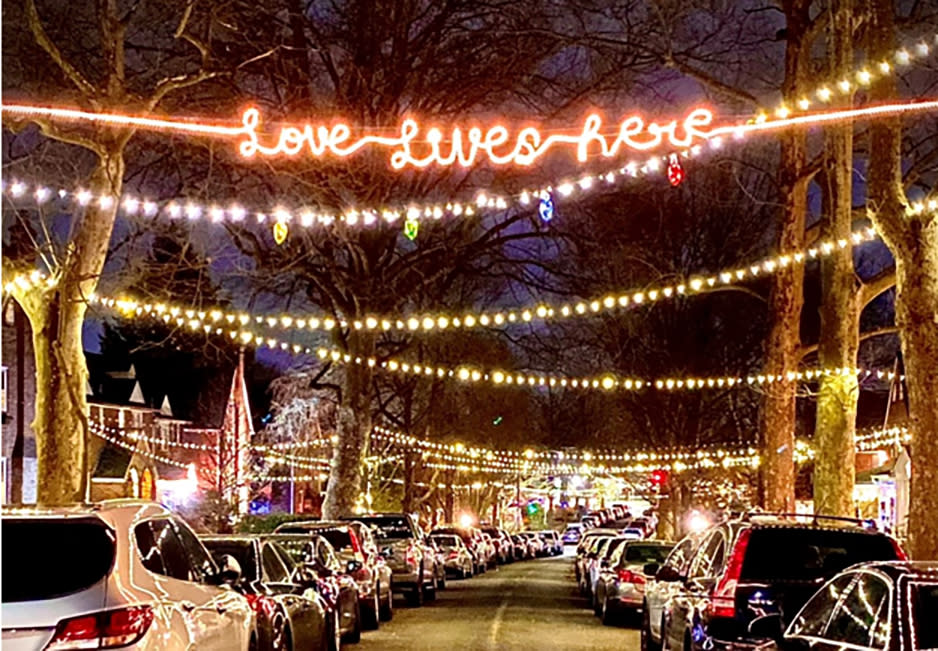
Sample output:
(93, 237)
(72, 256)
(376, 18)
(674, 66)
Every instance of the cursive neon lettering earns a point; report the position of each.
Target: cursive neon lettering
(496, 145)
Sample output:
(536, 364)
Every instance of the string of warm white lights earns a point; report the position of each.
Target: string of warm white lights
(863, 76)
(881, 438)
(604, 382)
(169, 443)
(541, 312)
(114, 436)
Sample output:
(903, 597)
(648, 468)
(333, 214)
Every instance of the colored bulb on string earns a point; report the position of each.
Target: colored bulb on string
(675, 171)
(411, 227)
(546, 208)
(281, 230)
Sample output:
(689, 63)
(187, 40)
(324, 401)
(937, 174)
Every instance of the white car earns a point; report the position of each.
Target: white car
(121, 573)
(661, 587)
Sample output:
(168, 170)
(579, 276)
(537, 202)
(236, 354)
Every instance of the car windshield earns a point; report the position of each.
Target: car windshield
(33, 543)
(810, 554)
(241, 550)
(340, 539)
(298, 548)
(644, 554)
(924, 613)
(446, 541)
(389, 528)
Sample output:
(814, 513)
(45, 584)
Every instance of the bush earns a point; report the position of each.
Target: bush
(267, 523)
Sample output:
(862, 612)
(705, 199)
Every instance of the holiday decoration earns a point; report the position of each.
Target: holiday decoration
(281, 230)
(675, 171)
(546, 208)
(619, 299)
(411, 226)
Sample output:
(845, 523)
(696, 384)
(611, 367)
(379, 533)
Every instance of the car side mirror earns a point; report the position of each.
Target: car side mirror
(767, 626)
(651, 569)
(353, 566)
(229, 570)
(669, 574)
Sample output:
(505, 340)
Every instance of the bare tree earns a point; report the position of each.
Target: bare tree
(913, 240)
(110, 75)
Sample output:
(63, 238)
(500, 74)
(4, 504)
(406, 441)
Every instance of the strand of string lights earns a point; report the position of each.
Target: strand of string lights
(540, 312)
(116, 437)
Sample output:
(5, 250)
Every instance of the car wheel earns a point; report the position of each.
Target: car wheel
(355, 635)
(370, 612)
(335, 634)
(252, 643)
(278, 633)
(387, 609)
(415, 597)
(648, 644)
(608, 614)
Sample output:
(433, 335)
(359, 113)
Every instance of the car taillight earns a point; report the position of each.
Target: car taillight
(106, 630)
(409, 556)
(900, 553)
(261, 604)
(628, 576)
(453, 554)
(356, 546)
(723, 599)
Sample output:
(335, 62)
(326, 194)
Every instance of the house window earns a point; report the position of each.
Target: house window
(3, 390)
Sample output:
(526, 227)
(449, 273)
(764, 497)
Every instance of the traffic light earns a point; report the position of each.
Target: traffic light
(659, 478)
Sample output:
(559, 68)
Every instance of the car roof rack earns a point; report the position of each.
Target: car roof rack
(815, 518)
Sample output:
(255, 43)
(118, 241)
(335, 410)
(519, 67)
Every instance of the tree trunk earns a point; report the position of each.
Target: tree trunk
(56, 313)
(19, 443)
(834, 469)
(913, 240)
(786, 297)
(353, 427)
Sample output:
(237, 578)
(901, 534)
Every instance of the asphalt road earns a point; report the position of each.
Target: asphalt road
(524, 606)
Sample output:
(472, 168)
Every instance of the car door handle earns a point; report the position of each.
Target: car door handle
(188, 606)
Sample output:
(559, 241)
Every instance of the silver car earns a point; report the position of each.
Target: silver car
(122, 573)
(456, 556)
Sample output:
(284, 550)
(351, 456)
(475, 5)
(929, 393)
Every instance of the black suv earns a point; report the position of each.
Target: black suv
(757, 565)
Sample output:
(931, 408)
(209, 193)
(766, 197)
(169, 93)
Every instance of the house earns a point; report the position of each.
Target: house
(140, 445)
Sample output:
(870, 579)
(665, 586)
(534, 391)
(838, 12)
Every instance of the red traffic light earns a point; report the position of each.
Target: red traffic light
(659, 477)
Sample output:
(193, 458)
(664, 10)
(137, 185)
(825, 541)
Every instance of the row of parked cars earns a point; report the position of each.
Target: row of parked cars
(132, 574)
(617, 517)
(765, 581)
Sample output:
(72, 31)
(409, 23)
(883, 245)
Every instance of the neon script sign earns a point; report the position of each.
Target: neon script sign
(497, 145)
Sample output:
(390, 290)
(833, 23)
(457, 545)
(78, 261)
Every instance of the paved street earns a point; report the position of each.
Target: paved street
(530, 605)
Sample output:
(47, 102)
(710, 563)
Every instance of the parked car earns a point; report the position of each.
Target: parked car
(116, 573)
(889, 606)
(354, 544)
(583, 548)
(572, 533)
(620, 587)
(503, 546)
(413, 564)
(540, 549)
(524, 547)
(490, 551)
(290, 613)
(333, 583)
(587, 555)
(657, 593)
(473, 541)
(763, 564)
(606, 549)
(633, 533)
(552, 543)
(457, 559)
(439, 564)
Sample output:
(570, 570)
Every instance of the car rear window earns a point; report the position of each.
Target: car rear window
(36, 566)
(241, 550)
(793, 554)
(924, 613)
(446, 541)
(645, 554)
(339, 538)
(389, 528)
